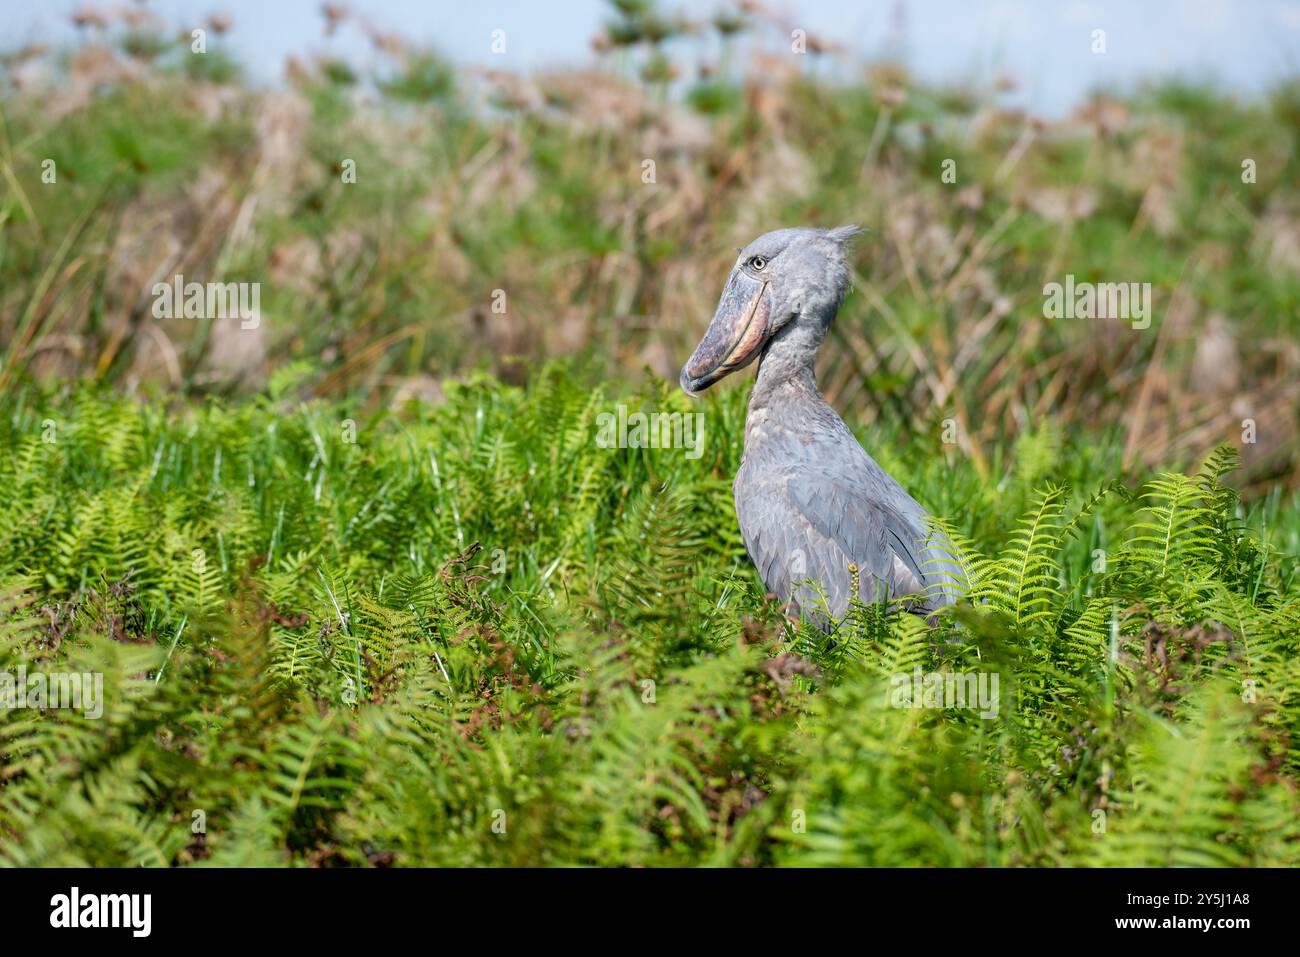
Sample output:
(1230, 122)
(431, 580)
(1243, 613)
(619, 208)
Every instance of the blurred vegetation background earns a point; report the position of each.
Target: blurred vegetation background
(470, 181)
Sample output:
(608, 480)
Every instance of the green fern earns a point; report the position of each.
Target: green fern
(474, 637)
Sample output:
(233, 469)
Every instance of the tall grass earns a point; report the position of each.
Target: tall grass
(497, 219)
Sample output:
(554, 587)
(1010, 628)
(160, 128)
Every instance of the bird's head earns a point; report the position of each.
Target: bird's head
(787, 276)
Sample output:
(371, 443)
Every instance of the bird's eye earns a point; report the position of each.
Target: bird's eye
(757, 262)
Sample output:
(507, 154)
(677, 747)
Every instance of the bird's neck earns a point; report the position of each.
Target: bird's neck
(787, 377)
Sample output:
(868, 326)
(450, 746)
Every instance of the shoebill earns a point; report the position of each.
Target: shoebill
(814, 508)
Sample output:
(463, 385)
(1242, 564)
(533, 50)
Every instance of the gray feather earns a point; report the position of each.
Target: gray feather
(809, 499)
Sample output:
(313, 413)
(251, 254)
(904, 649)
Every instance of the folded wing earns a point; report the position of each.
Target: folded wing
(808, 527)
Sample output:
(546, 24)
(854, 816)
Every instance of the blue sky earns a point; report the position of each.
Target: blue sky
(1045, 44)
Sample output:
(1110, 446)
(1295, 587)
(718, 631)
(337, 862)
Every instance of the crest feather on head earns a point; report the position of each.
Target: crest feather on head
(845, 235)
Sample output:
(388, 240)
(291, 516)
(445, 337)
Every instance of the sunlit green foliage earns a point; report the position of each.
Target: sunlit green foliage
(473, 636)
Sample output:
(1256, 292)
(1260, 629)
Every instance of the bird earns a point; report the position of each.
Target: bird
(818, 516)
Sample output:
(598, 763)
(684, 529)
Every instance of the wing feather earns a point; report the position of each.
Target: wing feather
(811, 527)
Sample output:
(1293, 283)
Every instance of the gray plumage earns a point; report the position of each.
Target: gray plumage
(809, 499)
